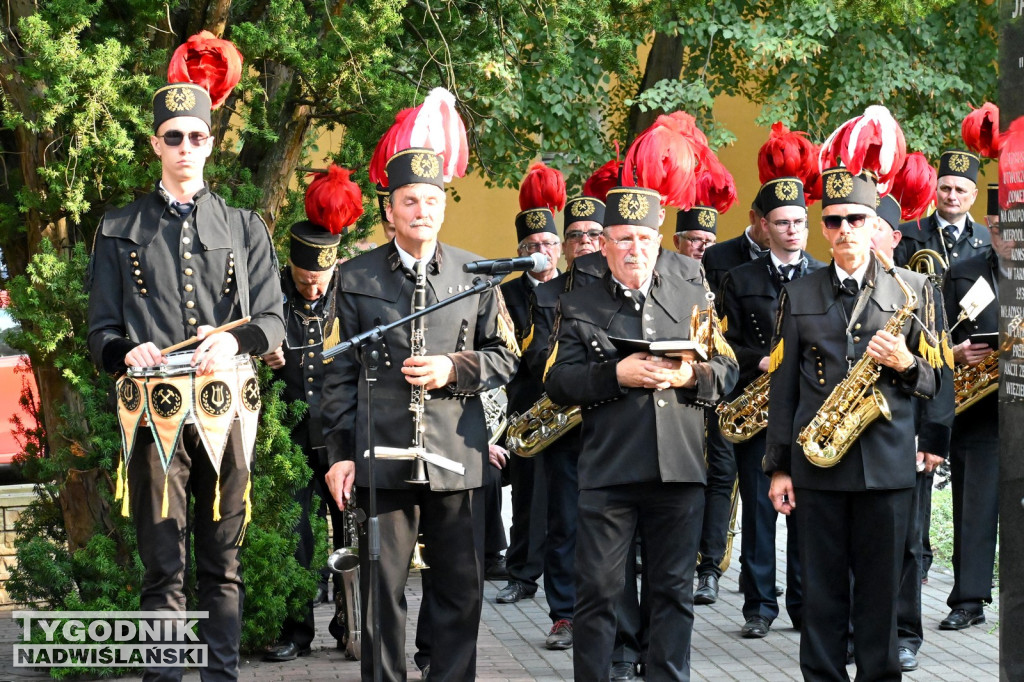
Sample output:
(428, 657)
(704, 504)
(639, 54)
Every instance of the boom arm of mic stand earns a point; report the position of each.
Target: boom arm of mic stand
(362, 338)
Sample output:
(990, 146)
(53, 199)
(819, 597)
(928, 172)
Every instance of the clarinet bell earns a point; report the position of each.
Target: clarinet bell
(419, 472)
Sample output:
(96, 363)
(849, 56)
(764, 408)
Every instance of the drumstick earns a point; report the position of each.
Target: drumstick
(222, 328)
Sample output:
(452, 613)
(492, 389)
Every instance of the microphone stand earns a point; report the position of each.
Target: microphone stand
(366, 342)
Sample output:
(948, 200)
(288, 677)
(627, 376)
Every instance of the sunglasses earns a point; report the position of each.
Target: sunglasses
(834, 222)
(572, 235)
(172, 138)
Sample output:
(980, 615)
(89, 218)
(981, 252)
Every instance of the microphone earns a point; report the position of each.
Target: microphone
(503, 266)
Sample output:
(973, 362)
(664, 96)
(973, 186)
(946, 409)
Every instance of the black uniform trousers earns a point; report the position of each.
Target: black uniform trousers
(910, 630)
(757, 541)
(974, 477)
(560, 461)
(450, 524)
(633, 612)
(608, 518)
(301, 632)
(526, 547)
(863, 534)
(162, 541)
(717, 498)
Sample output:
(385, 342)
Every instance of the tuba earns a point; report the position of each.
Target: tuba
(971, 384)
(855, 402)
(346, 625)
(744, 417)
(540, 426)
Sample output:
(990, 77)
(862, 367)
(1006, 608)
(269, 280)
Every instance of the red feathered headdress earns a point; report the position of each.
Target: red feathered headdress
(715, 184)
(436, 125)
(788, 153)
(603, 179)
(208, 61)
(543, 187)
(664, 158)
(914, 186)
(980, 130)
(871, 142)
(333, 201)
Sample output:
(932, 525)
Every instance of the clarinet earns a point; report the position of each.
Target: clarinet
(419, 394)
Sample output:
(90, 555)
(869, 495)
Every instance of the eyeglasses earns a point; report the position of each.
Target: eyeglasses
(536, 247)
(834, 222)
(798, 225)
(698, 240)
(644, 242)
(172, 138)
(573, 235)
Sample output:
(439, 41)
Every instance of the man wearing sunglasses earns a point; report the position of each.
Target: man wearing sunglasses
(642, 456)
(750, 301)
(174, 265)
(852, 516)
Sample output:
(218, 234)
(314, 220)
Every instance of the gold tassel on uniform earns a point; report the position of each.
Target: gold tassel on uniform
(528, 339)
(775, 359)
(333, 337)
(551, 360)
(932, 354)
(248, 510)
(119, 486)
(947, 352)
(723, 324)
(216, 500)
(125, 502)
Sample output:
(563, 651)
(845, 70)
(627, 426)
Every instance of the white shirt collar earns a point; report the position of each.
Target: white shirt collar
(857, 274)
(644, 288)
(778, 263)
(958, 226)
(408, 261)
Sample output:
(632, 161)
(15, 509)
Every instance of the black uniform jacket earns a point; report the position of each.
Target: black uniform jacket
(475, 333)
(812, 330)
(303, 371)
(925, 234)
(526, 387)
(723, 257)
(156, 276)
(959, 279)
(750, 301)
(631, 434)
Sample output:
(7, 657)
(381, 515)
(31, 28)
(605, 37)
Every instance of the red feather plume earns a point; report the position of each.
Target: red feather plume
(664, 158)
(604, 178)
(208, 61)
(871, 142)
(386, 147)
(333, 201)
(812, 183)
(786, 153)
(914, 186)
(715, 184)
(543, 187)
(980, 130)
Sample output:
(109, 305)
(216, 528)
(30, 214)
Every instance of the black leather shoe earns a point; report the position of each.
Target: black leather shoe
(961, 619)
(285, 651)
(560, 637)
(908, 660)
(513, 592)
(707, 589)
(756, 627)
(623, 670)
(496, 569)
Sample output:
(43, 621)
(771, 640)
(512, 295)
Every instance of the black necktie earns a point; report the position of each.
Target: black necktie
(636, 296)
(949, 236)
(849, 289)
(183, 209)
(787, 271)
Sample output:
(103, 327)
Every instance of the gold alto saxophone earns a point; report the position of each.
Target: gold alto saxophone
(746, 415)
(540, 426)
(856, 401)
(971, 384)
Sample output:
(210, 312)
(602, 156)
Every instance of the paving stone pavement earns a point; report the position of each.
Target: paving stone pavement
(511, 642)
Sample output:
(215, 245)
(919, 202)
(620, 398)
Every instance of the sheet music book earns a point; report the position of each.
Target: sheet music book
(441, 461)
(683, 349)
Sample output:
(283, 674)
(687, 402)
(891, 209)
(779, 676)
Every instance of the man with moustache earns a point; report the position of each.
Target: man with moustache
(750, 301)
(974, 450)
(469, 347)
(642, 459)
(852, 515)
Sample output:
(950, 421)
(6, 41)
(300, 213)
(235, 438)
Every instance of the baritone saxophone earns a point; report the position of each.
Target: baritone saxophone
(855, 402)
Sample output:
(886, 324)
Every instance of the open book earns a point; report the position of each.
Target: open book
(683, 349)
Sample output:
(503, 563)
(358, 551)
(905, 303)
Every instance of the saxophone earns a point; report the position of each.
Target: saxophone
(540, 426)
(971, 384)
(744, 417)
(346, 625)
(856, 401)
